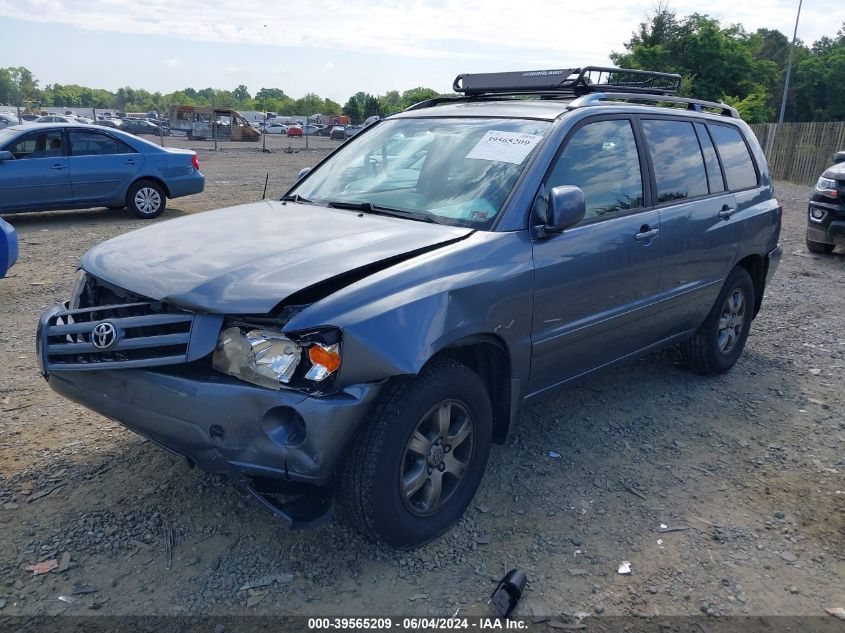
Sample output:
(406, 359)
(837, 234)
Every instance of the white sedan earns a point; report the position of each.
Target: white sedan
(276, 128)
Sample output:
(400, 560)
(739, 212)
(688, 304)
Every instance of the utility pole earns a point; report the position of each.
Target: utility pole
(789, 66)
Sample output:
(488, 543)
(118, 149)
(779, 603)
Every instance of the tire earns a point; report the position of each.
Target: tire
(820, 248)
(146, 199)
(714, 349)
(399, 442)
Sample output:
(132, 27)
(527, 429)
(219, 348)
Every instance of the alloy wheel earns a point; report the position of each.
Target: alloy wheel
(437, 457)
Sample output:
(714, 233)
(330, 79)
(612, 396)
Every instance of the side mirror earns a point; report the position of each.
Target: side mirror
(6, 156)
(302, 173)
(838, 157)
(567, 208)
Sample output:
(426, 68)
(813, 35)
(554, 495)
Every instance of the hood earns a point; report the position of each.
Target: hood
(837, 172)
(247, 259)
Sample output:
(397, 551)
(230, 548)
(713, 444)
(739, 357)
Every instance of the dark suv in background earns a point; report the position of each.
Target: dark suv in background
(826, 211)
(374, 331)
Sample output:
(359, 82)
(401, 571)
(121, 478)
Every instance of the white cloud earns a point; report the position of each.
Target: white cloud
(329, 65)
(534, 29)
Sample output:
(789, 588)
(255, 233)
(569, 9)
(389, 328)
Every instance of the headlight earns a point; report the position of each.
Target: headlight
(78, 289)
(269, 358)
(827, 187)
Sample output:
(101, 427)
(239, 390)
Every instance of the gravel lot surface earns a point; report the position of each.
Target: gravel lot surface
(745, 471)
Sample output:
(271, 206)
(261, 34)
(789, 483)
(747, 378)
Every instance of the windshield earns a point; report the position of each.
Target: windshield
(455, 171)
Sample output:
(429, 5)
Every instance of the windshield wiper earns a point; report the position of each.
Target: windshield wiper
(295, 198)
(369, 207)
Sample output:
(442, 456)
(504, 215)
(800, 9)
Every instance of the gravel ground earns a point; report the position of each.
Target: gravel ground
(744, 470)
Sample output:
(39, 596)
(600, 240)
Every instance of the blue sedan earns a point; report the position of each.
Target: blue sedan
(70, 166)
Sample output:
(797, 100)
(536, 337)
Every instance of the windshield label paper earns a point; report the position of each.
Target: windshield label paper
(504, 147)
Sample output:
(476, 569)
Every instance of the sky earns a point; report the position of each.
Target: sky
(338, 47)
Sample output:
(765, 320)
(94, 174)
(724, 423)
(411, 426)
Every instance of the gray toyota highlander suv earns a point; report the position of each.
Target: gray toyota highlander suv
(369, 335)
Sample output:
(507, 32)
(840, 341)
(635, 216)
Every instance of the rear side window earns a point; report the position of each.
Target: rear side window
(714, 173)
(739, 168)
(676, 156)
(96, 144)
(601, 158)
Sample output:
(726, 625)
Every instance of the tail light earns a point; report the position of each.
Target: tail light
(195, 161)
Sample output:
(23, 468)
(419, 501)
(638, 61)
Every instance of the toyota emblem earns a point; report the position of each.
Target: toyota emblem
(104, 335)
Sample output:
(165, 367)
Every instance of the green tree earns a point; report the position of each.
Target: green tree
(352, 109)
(415, 95)
(390, 103)
(241, 93)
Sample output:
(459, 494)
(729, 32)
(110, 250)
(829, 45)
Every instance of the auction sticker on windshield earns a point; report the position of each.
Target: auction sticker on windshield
(504, 147)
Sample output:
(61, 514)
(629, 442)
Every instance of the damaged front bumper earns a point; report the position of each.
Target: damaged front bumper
(223, 425)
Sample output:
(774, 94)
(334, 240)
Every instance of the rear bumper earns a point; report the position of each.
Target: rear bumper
(223, 425)
(773, 261)
(186, 185)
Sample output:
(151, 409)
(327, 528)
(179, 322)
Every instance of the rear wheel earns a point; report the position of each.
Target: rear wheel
(719, 341)
(415, 466)
(146, 199)
(820, 248)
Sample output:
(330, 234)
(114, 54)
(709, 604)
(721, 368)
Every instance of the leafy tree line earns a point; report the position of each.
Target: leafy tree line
(718, 63)
(17, 85)
(746, 70)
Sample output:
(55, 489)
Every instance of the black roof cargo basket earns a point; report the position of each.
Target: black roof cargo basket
(568, 81)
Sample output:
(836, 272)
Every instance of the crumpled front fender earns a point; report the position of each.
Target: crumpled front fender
(394, 321)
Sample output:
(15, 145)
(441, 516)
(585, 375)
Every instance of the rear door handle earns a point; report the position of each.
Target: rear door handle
(647, 233)
(727, 211)
(131, 161)
(58, 166)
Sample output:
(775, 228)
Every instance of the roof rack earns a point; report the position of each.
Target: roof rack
(568, 82)
(609, 98)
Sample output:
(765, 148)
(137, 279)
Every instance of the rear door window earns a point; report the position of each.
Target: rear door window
(714, 172)
(601, 158)
(96, 144)
(736, 159)
(677, 160)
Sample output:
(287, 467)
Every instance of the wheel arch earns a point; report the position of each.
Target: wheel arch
(153, 179)
(488, 356)
(756, 265)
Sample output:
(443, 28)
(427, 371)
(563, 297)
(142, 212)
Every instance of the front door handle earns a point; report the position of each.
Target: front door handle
(131, 161)
(58, 166)
(727, 211)
(647, 233)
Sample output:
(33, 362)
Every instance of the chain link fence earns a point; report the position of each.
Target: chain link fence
(800, 152)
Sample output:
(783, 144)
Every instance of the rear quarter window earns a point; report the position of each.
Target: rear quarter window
(736, 159)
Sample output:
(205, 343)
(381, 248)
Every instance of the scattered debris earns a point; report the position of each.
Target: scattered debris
(632, 490)
(68, 599)
(671, 528)
(44, 567)
(482, 509)
(418, 596)
(45, 492)
(554, 454)
(64, 562)
(80, 589)
(168, 545)
(789, 557)
(269, 579)
(836, 612)
(624, 568)
(508, 591)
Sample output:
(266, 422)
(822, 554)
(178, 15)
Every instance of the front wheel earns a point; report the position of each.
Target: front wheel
(820, 248)
(415, 466)
(719, 341)
(146, 199)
